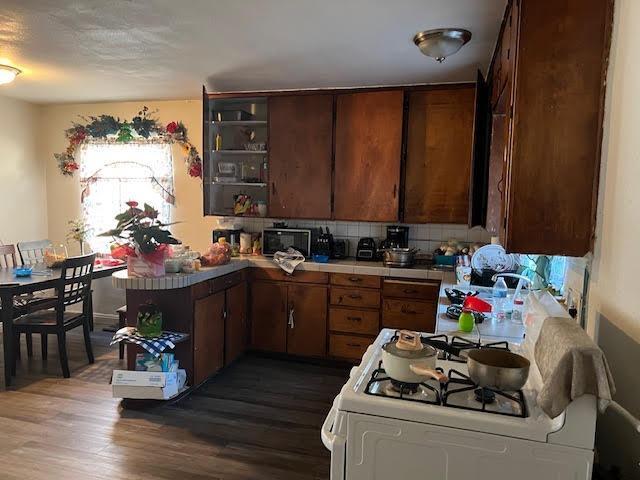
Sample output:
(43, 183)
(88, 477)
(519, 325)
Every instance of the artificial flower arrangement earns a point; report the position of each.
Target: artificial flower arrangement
(122, 131)
(78, 231)
(146, 240)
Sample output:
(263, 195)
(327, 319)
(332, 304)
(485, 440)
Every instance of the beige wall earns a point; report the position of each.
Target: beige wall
(63, 193)
(23, 212)
(614, 281)
(614, 301)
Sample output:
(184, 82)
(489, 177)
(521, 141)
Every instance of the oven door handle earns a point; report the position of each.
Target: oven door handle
(328, 437)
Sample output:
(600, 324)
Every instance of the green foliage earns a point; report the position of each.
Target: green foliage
(141, 228)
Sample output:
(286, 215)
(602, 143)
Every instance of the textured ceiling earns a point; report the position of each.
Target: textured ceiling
(101, 50)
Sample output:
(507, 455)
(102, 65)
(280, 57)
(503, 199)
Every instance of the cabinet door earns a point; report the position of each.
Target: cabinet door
(208, 336)
(269, 316)
(300, 150)
(439, 154)
(307, 321)
(367, 156)
(236, 332)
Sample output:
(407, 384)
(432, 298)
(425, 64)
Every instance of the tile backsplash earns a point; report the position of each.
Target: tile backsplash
(426, 237)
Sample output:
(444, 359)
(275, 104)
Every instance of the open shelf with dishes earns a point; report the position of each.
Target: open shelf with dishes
(235, 156)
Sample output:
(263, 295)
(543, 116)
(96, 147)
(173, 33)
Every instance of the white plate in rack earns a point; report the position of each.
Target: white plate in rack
(493, 257)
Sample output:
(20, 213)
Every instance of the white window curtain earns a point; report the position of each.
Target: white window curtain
(114, 173)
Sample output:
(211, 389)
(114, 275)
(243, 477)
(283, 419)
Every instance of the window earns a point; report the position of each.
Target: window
(111, 174)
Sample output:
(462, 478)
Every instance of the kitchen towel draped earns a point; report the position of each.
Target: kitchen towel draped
(571, 365)
(289, 260)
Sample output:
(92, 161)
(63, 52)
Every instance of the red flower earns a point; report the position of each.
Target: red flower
(122, 251)
(132, 203)
(195, 170)
(71, 166)
(172, 127)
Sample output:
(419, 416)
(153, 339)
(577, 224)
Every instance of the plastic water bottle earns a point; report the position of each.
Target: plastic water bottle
(516, 313)
(500, 300)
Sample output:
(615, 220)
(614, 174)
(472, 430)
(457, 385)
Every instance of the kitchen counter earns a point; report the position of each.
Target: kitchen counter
(182, 280)
(487, 330)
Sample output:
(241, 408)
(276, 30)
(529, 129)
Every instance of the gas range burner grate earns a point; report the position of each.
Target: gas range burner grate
(461, 392)
(459, 346)
(381, 385)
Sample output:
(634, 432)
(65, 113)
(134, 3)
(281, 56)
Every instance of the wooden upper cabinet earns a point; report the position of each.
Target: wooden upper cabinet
(557, 125)
(300, 153)
(439, 155)
(307, 320)
(368, 146)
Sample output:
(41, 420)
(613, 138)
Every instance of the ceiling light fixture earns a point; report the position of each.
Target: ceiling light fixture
(441, 42)
(8, 74)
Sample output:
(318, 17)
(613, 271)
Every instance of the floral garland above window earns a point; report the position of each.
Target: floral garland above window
(141, 128)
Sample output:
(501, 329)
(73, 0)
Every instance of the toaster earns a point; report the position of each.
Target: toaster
(366, 249)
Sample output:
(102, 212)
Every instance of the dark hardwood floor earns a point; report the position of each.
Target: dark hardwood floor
(258, 419)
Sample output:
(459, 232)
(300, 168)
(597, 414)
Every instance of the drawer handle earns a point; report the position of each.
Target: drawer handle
(410, 291)
(354, 345)
(355, 296)
(355, 319)
(355, 279)
(407, 311)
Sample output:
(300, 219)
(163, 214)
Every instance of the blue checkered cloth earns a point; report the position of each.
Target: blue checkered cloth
(155, 345)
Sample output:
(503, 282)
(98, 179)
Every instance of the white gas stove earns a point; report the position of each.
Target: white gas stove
(379, 429)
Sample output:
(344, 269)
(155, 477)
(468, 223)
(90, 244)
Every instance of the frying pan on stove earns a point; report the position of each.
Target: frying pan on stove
(497, 369)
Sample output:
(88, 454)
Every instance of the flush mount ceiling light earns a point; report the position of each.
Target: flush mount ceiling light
(441, 42)
(8, 74)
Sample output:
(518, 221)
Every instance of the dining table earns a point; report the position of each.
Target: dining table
(41, 278)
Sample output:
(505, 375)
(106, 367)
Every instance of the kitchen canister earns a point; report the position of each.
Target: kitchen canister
(246, 242)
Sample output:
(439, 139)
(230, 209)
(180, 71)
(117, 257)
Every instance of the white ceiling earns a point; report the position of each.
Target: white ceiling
(101, 50)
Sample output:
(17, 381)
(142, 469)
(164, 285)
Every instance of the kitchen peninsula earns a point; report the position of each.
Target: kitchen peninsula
(332, 310)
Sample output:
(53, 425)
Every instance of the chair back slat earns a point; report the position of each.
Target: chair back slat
(8, 256)
(33, 252)
(75, 280)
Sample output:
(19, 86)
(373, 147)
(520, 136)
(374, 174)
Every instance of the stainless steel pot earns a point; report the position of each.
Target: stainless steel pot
(408, 361)
(498, 369)
(399, 257)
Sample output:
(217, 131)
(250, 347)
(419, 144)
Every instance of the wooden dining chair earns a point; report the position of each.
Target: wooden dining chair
(8, 256)
(27, 303)
(73, 287)
(33, 252)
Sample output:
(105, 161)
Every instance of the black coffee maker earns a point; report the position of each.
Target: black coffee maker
(397, 237)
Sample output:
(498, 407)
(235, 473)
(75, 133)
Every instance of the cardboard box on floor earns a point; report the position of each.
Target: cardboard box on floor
(147, 385)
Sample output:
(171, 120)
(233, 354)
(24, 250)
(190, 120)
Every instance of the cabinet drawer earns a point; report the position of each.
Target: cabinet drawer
(354, 280)
(348, 346)
(410, 315)
(410, 289)
(355, 297)
(278, 275)
(354, 321)
(226, 281)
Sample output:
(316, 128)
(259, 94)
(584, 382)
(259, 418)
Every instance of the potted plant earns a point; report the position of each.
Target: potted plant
(146, 240)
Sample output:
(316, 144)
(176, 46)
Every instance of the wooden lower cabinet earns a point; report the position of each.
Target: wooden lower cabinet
(307, 320)
(349, 320)
(208, 335)
(289, 318)
(410, 304)
(269, 316)
(409, 315)
(236, 331)
(349, 347)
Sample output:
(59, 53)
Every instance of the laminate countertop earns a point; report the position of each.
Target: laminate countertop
(181, 280)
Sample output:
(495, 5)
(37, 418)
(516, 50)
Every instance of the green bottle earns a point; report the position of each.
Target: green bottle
(466, 321)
